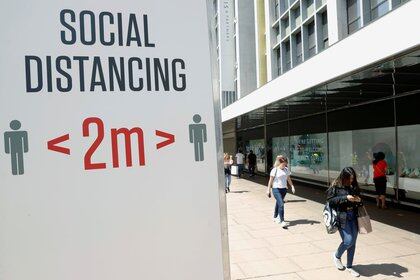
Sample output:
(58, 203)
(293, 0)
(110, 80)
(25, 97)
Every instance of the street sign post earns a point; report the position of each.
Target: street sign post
(110, 150)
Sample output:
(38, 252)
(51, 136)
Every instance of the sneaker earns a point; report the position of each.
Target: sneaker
(276, 220)
(353, 272)
(337, 263)
(284, 224)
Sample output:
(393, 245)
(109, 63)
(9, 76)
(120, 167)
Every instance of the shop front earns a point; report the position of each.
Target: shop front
(343, 123)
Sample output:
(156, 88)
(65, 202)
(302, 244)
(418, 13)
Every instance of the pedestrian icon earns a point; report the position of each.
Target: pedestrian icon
(198, 136)
(16, 144)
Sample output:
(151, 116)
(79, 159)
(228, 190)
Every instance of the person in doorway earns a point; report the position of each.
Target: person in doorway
(227, 162)
(277, 185)
(379, 178)
(240, 162)
(344, 197)
(252, 162)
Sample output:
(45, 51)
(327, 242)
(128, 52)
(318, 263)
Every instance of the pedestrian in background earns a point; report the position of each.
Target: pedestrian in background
(252, 162)
(379, 178)
(227, 162)
(277, 185)
(343, 196)
(240, 162)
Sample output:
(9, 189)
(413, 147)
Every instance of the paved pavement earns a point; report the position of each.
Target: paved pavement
(261, 249)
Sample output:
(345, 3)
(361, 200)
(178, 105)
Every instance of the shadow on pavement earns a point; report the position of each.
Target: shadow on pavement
(239, 191)
(294, 200)
(302, 222)
(386, 269)
(393, 216)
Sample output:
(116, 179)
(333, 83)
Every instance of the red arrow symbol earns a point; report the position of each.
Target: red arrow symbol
(52, 144)
(170, 139)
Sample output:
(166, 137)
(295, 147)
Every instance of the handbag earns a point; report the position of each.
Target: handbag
(363, 221)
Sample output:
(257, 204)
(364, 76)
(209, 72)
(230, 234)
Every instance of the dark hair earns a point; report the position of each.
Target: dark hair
(344, 176)
(250, 151)
(378, 157)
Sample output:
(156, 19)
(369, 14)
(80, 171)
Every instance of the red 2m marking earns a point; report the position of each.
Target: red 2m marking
(88, 156)
(128, 153)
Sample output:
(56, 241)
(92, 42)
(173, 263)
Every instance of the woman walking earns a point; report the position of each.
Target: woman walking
(279, 176)
(227, 162)
(343, 196)
(379, 178)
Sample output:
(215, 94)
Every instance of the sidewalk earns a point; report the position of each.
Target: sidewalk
(261, 249)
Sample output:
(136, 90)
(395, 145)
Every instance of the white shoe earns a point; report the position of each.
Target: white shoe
(337, 263)
(353, 272)
(284, 224)
(276, 220)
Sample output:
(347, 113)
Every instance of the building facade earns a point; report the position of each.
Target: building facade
(343, 83)
(236, 48)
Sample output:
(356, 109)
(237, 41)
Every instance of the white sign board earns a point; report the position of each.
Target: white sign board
(108, 159)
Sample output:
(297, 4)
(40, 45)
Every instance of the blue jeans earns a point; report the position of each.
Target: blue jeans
(228, 179)
(349, 237)
(279, 195)
(240, 170)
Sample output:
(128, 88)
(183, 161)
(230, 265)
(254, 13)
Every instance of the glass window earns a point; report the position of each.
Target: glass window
(408, 147)
(277, 32)
(277, 141)
(311, 39)
(378, 8)
(253, 139)
(288, 59)
(296, 17)
(354, 21)
(364, 86)
(280, 146)
(324, 21)
(278, 62)
(276, 9)
(258, 148)
(306, 103)
(310, 7)
(285, 27)
(284, 5)
(276, 112)
(299, 52)
(308, 148)
(355, 134)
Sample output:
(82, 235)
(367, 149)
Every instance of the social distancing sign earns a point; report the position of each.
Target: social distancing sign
(109, 159)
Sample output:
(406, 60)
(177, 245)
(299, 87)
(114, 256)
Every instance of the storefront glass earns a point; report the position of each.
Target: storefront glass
(343, 123)
(408, 121)
(258, 147)
(355, 148)
(280, 146)
(308, 156)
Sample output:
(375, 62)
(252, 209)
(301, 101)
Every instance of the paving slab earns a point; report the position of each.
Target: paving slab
(260, 249)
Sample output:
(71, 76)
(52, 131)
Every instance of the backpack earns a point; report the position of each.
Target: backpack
(330, 218)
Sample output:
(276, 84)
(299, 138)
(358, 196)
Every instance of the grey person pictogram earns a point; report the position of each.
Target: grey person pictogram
(16, 144)
(198, 136)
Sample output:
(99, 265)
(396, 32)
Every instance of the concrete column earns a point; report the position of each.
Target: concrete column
(337, 20)
(270, 39)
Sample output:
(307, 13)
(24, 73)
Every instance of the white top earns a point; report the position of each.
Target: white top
(239, 158)
(280, 177)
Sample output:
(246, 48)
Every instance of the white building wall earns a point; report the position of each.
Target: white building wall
(337, 20)
(226, 49)
(246, 52)
(270, 39)
(392, 34)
